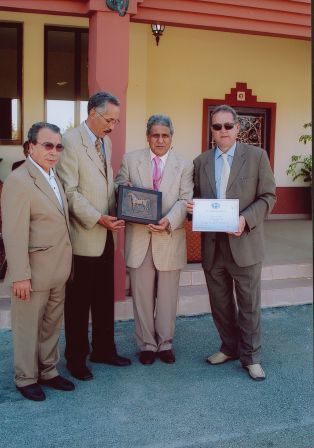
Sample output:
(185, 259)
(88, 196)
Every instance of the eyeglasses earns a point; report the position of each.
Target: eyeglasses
(219, 126)
(109, 121)
(49, 146)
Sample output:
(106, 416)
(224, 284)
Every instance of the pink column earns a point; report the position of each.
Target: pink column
(108, 70)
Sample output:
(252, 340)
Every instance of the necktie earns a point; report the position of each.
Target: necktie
(156, 172)
(98, 145)
(225, 172)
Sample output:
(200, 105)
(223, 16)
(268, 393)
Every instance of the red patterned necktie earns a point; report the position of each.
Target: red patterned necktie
(156, 173)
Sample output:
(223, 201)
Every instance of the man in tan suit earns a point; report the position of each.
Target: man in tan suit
(86, 173)
(155, 254)
(39, 255)
(235, 170)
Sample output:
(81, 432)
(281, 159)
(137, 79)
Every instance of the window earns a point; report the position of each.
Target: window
(10, 83)
(66, 90)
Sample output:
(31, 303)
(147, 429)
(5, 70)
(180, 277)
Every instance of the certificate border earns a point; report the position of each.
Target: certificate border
(216, 200)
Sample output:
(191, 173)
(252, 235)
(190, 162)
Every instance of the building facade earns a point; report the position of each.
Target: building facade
(254, 55)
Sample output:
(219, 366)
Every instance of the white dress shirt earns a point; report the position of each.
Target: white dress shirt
(50, 179)
(163, 160)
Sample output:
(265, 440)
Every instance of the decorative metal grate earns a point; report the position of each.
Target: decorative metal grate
(251, 131)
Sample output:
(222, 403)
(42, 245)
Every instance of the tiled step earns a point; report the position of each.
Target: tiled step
(193, 273)
(193, 299)
(282, 285)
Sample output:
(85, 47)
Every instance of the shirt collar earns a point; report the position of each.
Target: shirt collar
(92, 136)
(162, 158)
(47, 175)
(230, 151)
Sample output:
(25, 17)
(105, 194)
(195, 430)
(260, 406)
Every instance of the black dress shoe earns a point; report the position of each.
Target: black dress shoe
(59, 383)
(113, 360)
(147, 357)
(167, 356)
(32, 392)
(80, 372)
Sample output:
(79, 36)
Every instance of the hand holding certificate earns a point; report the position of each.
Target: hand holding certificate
(215, 215)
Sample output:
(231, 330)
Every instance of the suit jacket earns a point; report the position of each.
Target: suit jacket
(168, 248)
(35, 229)
(90, 192)
(251, 181)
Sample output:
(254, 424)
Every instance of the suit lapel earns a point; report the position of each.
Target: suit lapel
(64, 202)
(43, 185)
(238, 160)
(169, 172)
(145, 169)
(90, 149)
(210, 170)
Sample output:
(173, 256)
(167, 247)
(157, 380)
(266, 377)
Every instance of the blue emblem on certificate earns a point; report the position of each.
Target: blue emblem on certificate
(215, 215)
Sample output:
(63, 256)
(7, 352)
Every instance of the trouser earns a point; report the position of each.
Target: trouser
(238, 321)
(155, 296)
(92, 289)
(36, 328)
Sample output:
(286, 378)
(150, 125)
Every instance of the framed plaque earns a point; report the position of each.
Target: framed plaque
(139, 205)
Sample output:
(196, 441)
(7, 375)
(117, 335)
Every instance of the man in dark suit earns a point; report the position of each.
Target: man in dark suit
(235, 170)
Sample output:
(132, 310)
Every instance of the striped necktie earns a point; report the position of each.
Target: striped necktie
(98, 146)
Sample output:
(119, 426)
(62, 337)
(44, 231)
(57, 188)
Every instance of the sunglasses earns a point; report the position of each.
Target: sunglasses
(219, 126)
(49, 146)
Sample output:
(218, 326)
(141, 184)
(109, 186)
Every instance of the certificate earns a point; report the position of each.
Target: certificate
(215, 215)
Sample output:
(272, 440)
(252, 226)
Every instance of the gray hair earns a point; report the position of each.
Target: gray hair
(101, 99)
(162, 120)
(225, 108)
(36, 127)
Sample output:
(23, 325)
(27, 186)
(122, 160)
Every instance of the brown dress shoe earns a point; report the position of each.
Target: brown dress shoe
(59, 383)
(167, 356)
(32, 392)
(147, 357)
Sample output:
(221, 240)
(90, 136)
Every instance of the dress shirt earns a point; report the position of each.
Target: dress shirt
(93, 139)
(163, 160)
(50, 178)
(219, 163)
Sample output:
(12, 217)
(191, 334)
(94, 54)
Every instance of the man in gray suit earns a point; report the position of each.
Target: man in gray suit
(86, 173)
(38, 248)
(155, 254)
(235, 170)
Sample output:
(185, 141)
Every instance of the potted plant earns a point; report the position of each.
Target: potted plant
(301, 165)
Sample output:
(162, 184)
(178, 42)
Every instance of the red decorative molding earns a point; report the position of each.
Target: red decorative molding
(240, 95)
(280, 18)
